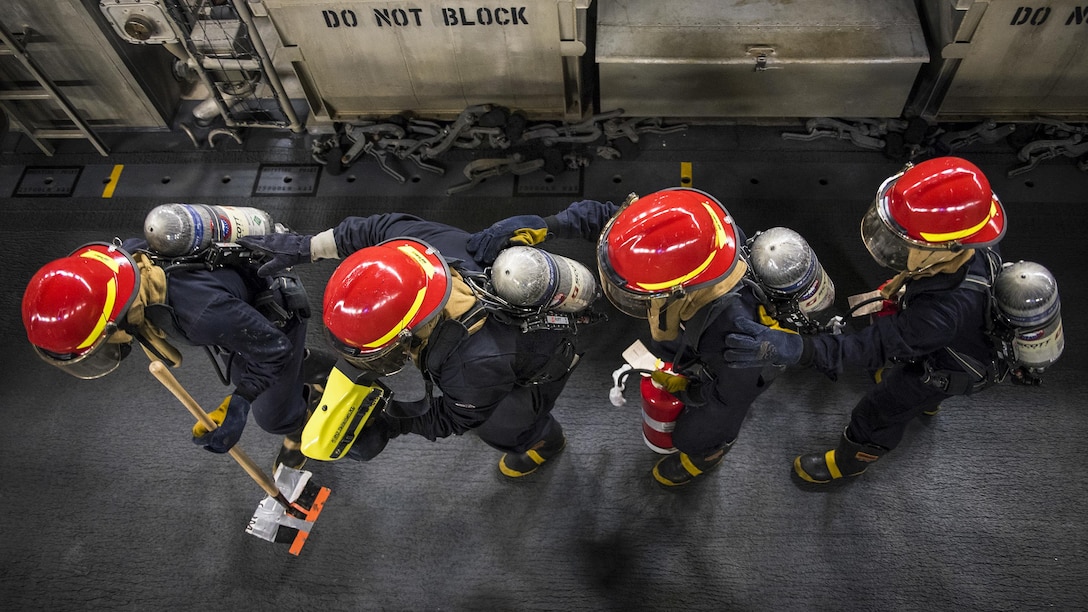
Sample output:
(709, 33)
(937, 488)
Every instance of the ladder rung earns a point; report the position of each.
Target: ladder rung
(26, 95)
(72, 134)
(83, 130)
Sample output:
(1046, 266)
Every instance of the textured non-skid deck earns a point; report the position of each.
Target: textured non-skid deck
(110, 506)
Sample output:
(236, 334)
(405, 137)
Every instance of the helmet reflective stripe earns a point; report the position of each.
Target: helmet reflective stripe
(419, 258)
(962, 233)
(681, 280)
(102, 258)
(720, 241)
(111, 296)
(428, 270)
(100, 326)
(403, 323)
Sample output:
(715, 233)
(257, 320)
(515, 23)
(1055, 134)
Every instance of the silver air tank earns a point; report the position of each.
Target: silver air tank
(789, 269)
(183, 229)
(1027, 298)
(532, 278)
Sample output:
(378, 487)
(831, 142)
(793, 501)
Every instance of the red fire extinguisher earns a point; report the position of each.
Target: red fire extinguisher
(659, 412)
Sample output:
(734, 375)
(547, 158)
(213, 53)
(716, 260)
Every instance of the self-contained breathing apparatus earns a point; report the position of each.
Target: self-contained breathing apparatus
(535, 290)
(1023, 323)
(786, 276)
(186, 237)
(791, 285)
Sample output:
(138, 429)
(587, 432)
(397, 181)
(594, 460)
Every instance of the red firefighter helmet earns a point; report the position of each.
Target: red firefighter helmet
(74, 304)
(942, 204)
(669, 242)
(379, 295)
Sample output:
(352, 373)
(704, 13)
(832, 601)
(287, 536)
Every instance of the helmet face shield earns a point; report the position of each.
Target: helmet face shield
(630, 304)
(386, 361)
(99, 360)
(886, 247)
(888, 241)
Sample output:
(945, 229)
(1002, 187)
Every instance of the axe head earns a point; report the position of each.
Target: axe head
(275, 523)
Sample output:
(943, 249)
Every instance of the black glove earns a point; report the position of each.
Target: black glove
(277, 252)
(371, 441)
(230, 418)
(484, 246)
(758, 345)
(375, 435)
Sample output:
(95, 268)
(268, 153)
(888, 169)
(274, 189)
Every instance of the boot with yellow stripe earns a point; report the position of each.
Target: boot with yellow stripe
(681, 468)
(516, 465)
(848, 459)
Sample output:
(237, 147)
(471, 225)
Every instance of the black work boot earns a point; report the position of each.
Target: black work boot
(849, 459)
(290, 453)
(680, 468)
(516, 465)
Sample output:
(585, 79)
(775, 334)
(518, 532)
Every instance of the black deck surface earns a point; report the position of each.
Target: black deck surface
(110, 506)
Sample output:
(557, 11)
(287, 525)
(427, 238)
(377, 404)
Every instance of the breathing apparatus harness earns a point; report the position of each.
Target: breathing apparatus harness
(451, 333)
(786, 311)
(525, 318)
(284, 299)
(975, 375)
(1003, 364)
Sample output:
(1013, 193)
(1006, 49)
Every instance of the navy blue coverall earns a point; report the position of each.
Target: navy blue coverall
(934, 313)
(216, 308)
(728, 392)
(482, 381)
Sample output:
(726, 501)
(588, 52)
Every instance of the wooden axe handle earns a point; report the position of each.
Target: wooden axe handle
(161, 372)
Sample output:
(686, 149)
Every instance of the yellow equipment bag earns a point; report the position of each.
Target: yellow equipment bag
(351, 396)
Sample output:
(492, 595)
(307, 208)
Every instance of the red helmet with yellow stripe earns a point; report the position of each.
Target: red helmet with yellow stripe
(667, 243)
(73, 305)
(942, 204)
(379, 296)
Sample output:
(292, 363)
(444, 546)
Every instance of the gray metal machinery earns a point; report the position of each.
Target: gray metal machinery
(363, 59)
(740, 59)
(218, 43)
(61, 78)
(1007, 60)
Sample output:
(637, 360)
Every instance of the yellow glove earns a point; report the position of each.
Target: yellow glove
(673, 383)
(216, 415)
(527, 230)
(230, 418)
(528, 236)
